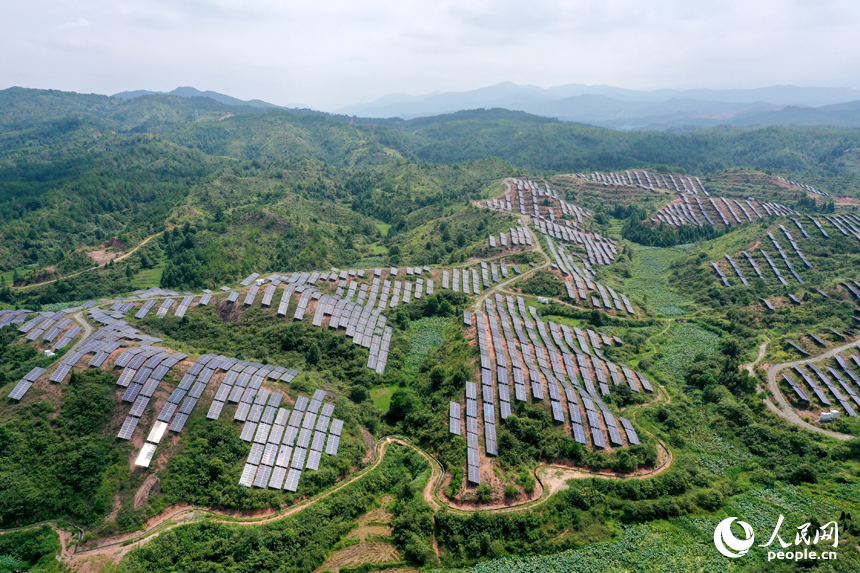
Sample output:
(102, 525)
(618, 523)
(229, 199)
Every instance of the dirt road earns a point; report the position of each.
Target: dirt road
(784, 409)
(116, 260)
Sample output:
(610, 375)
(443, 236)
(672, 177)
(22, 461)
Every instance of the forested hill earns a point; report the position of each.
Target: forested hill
(77, 170)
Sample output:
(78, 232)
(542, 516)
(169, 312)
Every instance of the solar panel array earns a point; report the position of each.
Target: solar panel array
(183, 306)
(286, 443)
(715, 211)
(573, 373)
(144, 367)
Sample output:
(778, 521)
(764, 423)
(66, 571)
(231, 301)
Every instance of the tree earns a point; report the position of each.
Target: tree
(484, 493)
(432, 306)
(288, 342)
(313, 354)
(403, 403)
(445, 308)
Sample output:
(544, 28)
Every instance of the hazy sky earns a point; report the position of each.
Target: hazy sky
(329, 53)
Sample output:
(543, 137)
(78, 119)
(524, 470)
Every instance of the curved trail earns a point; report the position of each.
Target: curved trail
(116, 260)
(749, 366)
(783, 409)
(88, 330)
(172, 517)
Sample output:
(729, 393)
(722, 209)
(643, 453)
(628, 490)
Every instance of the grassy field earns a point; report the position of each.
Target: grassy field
(149, 277)
(649, 284)
(383, 228)
(382, 397)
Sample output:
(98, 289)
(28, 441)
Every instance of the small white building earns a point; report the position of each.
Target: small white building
(829, 416)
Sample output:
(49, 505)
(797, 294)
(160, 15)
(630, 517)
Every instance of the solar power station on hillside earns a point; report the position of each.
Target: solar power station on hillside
(543, 363)
(284, 443)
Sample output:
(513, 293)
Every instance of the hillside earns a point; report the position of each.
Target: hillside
(485, 341)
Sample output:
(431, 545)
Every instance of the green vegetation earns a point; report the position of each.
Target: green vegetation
(301, 542)
(649, 282)
(541, 283)
(277, 192)
(56, 459)
(31, 550)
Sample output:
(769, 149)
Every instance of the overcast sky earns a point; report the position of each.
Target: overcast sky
(330, 53)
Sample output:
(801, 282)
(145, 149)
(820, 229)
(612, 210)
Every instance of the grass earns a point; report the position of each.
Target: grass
(379, 249)
(148, 278)
(383, 228)
(636, 548)
(681, 344)
(650, 269)
(382, 397)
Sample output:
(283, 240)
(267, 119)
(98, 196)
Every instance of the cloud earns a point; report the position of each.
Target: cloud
(79, 23)
(330, 53)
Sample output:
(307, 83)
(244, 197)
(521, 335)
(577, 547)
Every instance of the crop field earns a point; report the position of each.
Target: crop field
(681, 344)
(661, 546)
(711, 450)
(425, 336)
(649, 283)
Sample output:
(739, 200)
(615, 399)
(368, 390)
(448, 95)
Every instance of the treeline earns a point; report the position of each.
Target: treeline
(635, 229)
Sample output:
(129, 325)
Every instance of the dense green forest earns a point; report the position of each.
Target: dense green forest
(80, 170)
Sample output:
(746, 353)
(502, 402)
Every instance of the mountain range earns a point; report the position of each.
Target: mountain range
(604, 106)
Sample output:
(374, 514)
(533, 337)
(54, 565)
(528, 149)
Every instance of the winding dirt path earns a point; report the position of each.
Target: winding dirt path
(551, 479)
(749, 366)
(88, 330)
(116, 260)
(782, 408)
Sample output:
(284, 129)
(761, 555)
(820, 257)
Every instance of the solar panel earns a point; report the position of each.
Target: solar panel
(284, 455)
(167, 411)
(276, 434)
(290, 434)
(301, 403)
(242, 411)
(292, 482)
(262, 478)
(279, 474)
(139, 406)
(304, 438)
(269, 454)
(299, 455)
(128, 427)
(145, 456)
(178, 422)
(454, 426)
(318, 441)
(20, 389)
(332, 445)
(578, 433)
(597, 436)
(262, 433)
(313, 462)
(336, 427)
(157, 432)
(248, 431)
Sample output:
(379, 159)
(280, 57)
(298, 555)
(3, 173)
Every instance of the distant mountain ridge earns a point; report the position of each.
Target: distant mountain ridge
(604, 106)
(188, 92)
(620, 108)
